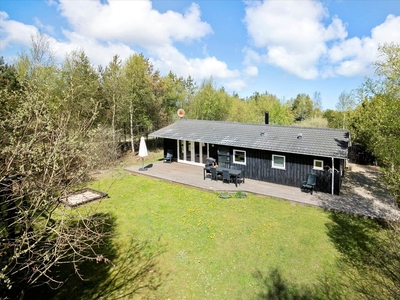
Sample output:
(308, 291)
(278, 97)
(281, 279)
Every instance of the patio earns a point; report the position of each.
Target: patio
(362, 194)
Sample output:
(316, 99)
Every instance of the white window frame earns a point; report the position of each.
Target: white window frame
(278, 166)
(316, 167)
(234, 156)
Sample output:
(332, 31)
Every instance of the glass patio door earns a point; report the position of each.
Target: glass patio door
(192, 152)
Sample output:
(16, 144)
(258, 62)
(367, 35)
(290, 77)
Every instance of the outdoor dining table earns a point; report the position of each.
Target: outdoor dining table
(235, 173)
(232, 172)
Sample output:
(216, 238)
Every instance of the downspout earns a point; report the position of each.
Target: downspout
(333, 174)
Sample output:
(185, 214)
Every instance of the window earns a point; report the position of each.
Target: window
(318, 164)
(239, 157)
(278, 162)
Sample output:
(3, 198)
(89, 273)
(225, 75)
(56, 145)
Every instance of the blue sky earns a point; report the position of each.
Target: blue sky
(283, 47)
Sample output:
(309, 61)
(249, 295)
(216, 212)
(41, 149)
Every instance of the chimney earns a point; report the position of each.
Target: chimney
(266, 118)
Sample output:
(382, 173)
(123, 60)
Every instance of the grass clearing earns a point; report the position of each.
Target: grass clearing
(214, 246)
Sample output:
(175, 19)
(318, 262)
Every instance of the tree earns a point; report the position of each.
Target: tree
(376, 121)
(259, 104)
(210, 103)
(334, 118)
(317, 103)
(178, 94)
(81, 82)
(302, 107)
(113, 92)
(240, 111)
(8, 77)
(44, 157)
(139, 94)
(345, 104)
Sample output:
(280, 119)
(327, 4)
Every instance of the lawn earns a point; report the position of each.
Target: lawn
(212, 247)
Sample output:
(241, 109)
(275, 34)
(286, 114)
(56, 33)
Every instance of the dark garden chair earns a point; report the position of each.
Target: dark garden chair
(214, 175)
(208, 166)
(240, 178)
(169, 156)
(309, 185)
(226, 176)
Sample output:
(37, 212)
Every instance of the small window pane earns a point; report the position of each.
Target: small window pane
(318, 164)
(239, 156)
(278, 161)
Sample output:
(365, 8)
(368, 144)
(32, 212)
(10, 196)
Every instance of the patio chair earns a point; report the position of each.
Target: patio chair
(214, 175)
(309, 185)
(226, 176)
(240, 178)
(207, 171)
(169, 156)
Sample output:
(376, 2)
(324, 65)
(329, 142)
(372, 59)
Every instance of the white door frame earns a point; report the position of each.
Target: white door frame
(192, 153)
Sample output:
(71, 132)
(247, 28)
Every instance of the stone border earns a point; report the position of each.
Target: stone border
(83, 196)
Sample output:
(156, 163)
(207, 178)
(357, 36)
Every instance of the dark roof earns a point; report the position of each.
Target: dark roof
(324, 142)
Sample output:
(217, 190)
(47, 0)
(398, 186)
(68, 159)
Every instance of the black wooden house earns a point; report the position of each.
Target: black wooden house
(272, 153)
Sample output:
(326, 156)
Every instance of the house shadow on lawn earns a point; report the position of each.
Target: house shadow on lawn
(119, 275)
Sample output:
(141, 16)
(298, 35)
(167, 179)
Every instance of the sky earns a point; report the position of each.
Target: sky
(282, 47)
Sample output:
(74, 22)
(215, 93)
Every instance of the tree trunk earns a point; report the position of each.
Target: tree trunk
(131, 123)
(113, 127)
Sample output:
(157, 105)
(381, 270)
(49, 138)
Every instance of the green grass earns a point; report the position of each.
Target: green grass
(213, 247)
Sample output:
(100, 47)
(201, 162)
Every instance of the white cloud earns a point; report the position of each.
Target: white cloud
(354, 56)
(292, 33)
(169, 58)
(234, 85)
(117, 27)
(387, 32)
(292, 36)
(43, 28)
(99, 53)
(133, 22)
(119, 24)
(14, 33)
(251, 71)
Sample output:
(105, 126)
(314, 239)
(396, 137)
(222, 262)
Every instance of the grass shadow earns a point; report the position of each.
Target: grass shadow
(120, 271)
(275, 287)
(352, 236)
(370, 259)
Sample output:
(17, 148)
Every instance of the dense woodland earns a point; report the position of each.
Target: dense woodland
(58, 121)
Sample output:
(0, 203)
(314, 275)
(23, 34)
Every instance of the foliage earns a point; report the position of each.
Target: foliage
(178, 94)
(317, 103)
(313, 122)
(79, 85)
(112, 84)
(302, 107)
(279, 113)
(334, 118)
(376, 122)
(8, 77)
(43, 161)
(209, 103)
(345, 104)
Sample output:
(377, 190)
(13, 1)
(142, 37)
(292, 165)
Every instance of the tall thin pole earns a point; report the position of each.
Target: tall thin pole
(333, 174)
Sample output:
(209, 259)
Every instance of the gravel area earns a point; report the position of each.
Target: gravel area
(363, 193)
